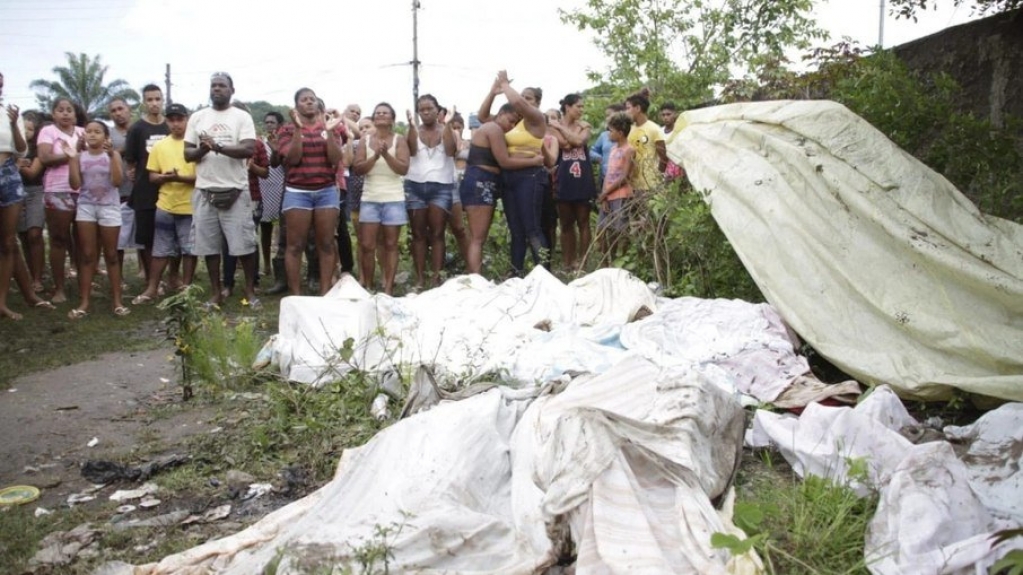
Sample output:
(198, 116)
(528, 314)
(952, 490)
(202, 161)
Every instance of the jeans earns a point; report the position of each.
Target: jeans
(524, 191)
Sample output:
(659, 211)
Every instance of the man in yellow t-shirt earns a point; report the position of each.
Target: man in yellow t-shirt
(647, 139)
(176, 178)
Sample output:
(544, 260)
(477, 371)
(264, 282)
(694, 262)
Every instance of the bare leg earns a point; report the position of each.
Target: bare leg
(566, 217)
(108, 239)
(88, 259)
(58, 223)
(390, 263)
(367, 253)
(480, 218)
(418, 225)
(325, 225)
(8, 250)
(213, 269)
(436, 217)
(456, 224)
(297, 222)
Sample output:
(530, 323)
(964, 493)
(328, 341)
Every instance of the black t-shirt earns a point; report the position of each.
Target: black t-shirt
(142, 136)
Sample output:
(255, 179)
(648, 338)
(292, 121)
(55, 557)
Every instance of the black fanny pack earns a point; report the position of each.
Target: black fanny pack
(222, 198)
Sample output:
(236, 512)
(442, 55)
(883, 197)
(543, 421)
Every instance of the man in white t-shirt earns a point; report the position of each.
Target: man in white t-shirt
(220, 140)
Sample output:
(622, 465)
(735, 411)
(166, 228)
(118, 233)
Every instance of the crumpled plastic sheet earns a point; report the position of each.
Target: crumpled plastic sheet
(534, 329)
(940, 502)
(472, 486)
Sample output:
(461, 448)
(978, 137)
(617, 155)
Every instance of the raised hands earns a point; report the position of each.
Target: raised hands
(12, 113)
(332, 119)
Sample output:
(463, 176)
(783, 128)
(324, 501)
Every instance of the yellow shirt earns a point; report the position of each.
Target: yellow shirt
(643, 139)
(520, 140)
(175, 197)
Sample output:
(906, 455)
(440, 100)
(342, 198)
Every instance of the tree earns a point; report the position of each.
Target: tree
(682, 49)
(82, 81)
(909, 8)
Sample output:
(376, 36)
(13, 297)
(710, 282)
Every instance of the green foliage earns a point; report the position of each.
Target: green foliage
(681, 48)
(260, 108)
(910, 8)
(214, 350)
(82, 80)
(674, 240)
(810, 526)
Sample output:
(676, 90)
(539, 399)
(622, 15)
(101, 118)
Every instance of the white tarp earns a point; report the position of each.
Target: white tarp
(872, 257)
(940, 501)
(534, 329)
(623, 459)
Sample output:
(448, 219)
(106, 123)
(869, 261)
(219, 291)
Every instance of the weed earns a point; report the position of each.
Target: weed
(802, 527)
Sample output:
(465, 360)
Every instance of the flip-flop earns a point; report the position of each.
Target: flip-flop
(77, 314)
(255, 304)
(121, 311)
(43, 304)
(141, 299)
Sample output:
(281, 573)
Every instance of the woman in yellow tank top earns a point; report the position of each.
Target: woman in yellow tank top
(524, 188)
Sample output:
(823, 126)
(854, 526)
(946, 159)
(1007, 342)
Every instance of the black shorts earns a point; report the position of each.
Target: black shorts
(145, 227)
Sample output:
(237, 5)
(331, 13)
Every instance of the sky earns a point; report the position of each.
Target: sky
(347, 51)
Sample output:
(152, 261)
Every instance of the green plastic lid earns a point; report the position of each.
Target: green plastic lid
(18, 494)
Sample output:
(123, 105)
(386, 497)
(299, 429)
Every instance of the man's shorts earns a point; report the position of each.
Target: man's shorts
(480, 188)
(107, 216)
(174, 236)
(212, 226)
(419, 195)
(385, 213)
(616, 218)
(11, 189)
(126, 239)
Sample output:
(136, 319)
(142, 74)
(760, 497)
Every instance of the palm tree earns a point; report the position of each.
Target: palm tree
(82, 81)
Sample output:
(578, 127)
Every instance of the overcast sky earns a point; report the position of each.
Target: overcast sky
(355, 53)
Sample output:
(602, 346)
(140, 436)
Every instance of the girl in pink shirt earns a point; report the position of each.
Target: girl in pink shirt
(59, 197)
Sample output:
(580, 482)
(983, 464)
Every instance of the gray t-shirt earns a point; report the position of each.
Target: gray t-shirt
(119, 140)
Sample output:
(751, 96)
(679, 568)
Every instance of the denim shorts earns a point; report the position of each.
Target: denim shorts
(106, 215)
(296, 199)
(11, 189)
(420, 194)
(386, 213)
(480, 187)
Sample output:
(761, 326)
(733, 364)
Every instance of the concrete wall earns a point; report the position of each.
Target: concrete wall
(985, 57)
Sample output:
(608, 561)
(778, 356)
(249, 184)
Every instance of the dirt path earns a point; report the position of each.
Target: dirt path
(47, 419)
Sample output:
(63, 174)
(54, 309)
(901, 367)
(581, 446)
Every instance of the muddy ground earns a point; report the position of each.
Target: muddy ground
(123, 400)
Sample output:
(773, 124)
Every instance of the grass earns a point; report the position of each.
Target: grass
(808, 526)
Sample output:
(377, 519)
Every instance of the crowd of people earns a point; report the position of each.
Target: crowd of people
(178, 185)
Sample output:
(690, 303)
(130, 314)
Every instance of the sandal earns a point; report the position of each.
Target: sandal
(255, 304)
(121, 311)
(141, 299)
(77, 314)
(43, 304)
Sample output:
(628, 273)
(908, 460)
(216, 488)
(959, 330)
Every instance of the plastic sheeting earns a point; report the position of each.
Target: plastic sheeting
(873, 258)
(940, 502)
(535, 329)
(473, 486)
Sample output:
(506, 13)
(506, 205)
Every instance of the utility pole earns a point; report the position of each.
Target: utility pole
(167, 82)
(880, 26)
(415, 55)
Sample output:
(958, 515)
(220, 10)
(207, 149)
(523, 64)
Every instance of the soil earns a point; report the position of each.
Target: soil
(123, 400)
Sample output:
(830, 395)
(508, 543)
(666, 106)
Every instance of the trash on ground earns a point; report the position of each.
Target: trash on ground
(18, 495)
(103, 472)
(129, 494)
